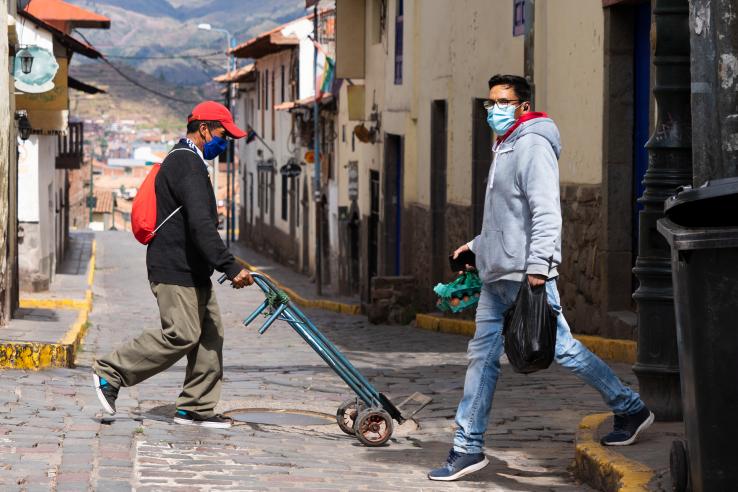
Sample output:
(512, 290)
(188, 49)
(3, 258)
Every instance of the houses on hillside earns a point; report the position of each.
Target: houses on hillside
(406, 149)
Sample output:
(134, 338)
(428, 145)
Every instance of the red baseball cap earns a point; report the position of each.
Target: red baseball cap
(213, 111)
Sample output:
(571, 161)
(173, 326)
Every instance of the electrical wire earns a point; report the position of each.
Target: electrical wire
(134, 81)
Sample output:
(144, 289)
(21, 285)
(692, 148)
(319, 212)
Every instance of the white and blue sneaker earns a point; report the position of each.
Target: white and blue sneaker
(216, 421)
(106, 393)
(458, 465)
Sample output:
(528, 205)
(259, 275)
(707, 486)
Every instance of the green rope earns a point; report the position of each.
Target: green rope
(276, 299)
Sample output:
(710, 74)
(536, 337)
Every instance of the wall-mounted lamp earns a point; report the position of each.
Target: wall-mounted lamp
(26, 59)
(24, 126)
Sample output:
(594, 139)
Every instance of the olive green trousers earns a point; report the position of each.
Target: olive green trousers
(191, 326)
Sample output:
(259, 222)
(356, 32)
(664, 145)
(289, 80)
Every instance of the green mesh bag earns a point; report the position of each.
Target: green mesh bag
(459, 294)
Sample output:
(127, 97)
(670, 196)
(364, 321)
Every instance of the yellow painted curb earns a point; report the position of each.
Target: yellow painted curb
(606, 348)
(611, 349)
(38, 355)
(602, 467)
(53, 303)
(325, 304)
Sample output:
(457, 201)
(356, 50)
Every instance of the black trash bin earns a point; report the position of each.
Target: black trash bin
(701, 225)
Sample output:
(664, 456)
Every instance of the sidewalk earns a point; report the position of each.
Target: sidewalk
(49, 326)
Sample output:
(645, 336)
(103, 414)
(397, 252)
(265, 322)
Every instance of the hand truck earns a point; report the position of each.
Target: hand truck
(369, 415)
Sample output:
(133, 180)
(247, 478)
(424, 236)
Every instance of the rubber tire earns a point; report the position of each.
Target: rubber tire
(372, 413)
(679, 467)
(340, 414)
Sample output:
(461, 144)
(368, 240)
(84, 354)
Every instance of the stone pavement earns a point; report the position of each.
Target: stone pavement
(302, 284)
(53, 435)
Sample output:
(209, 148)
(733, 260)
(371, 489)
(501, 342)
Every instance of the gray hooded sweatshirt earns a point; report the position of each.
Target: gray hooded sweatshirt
(521, 229)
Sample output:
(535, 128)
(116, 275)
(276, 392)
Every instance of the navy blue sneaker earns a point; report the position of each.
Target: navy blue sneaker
(215, 422)
(458, 465)
(106, 393)
(627, 428)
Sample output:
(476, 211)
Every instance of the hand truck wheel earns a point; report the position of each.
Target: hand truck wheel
(347, 413)
(373, 427)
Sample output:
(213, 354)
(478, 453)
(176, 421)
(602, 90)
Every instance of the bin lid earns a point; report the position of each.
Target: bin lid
(714, 204)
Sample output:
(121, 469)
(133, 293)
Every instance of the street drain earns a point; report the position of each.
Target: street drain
(280, 417)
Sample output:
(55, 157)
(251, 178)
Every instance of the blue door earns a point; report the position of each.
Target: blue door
(642, 97)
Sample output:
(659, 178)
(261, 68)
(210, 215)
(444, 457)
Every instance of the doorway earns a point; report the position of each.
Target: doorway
(481, 161)
(373, 235)
(438, 163)
(392, 203)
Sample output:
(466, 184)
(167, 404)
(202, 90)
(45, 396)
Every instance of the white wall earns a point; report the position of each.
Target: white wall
(28, 184)
(37, 189)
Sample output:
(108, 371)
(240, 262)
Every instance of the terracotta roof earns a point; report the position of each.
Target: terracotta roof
(266, 43)
(305, 102)
(66, 16)
(243, 74)
(104, 203)
(63, 38)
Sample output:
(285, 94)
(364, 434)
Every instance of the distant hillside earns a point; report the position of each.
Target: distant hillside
(126, 101)
(167, 30)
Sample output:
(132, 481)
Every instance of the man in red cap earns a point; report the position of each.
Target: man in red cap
(180, 261)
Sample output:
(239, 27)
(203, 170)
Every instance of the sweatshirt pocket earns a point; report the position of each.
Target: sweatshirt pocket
(510, 244)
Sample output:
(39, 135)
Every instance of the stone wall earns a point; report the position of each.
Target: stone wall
(272, 242)
(392, 300)
(416, 253)
(580, 273)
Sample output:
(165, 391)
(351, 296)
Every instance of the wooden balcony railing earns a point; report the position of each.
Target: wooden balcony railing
(71, 151)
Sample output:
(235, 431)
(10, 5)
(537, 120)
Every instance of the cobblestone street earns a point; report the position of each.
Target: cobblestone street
(53, 436)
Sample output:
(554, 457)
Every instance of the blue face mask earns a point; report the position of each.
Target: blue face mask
(501, 119)
(214, 148)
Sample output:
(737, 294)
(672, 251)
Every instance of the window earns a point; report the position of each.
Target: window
(281, 81)
(285, 194)
(274, 100)
(297, 197)
(258, 91)
(378, 20)
(398, 42)
(266, 89)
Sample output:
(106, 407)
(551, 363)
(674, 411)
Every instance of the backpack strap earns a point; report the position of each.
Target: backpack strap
(176, 209)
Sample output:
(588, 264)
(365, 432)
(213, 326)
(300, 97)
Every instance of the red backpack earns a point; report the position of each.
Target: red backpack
(143, 214)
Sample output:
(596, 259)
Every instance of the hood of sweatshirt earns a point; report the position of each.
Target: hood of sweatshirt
(536, 123)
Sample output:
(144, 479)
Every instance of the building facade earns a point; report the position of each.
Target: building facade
(275, 100)
(55, 145)
(8, 167)
(415, 149)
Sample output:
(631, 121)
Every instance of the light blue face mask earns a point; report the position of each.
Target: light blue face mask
(214, 148)
(501, 119)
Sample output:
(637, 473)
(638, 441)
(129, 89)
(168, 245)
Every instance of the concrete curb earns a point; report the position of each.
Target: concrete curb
(325, 304)
(606, 348)
(602, 467)
(41, 355)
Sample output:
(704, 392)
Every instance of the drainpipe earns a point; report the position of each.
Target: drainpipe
(714, 42)
(317, 192)
(669, 167)
(529, 47)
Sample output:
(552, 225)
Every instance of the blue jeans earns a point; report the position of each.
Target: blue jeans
(484, 354)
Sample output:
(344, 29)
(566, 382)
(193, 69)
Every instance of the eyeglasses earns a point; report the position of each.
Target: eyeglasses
(500, 103)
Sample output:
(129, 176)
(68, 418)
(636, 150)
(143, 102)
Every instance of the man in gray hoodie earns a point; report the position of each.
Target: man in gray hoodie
(521, 240)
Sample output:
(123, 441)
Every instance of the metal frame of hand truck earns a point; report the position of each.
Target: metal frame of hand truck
(279, 307)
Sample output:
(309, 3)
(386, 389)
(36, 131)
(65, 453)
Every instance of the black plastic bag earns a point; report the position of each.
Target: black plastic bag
(530, 330)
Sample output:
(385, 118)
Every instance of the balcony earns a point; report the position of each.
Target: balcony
(71, 147)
